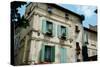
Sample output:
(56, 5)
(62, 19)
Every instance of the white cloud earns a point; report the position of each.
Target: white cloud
(88, 11)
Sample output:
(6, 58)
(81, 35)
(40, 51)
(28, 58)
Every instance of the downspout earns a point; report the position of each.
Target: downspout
(84, 47)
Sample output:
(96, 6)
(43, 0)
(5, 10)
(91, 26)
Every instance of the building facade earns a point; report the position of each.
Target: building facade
(55, 35)
(90, 41)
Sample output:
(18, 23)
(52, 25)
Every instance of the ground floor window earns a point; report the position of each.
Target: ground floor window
(63, 55)
(47, 53)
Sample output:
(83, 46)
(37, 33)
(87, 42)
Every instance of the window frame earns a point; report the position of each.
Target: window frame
(63, 34)
(49, 32)
(51, 54)
(77, 28)
(49, 9)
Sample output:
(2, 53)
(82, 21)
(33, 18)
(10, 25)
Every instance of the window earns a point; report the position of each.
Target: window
(66, 16)
(49, 28)
(77, 29)
(77, 48)
(86, 38)
(63, 32)
(85, 53)
(48, 53)
(77, 51)
(49, 9)
(63, 55)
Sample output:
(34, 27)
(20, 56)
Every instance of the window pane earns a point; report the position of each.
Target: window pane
(63, 30)
(49, 25)
(47, 53)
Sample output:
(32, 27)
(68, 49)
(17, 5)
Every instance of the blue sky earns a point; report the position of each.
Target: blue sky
(88, 11)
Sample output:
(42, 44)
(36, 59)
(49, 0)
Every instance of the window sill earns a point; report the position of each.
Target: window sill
(48, 34)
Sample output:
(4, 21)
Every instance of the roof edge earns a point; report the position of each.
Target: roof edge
(82, 17)
(85, 28)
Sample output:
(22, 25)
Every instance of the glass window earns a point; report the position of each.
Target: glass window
(49, 9)
(49, 54)
(49, 25)
(49, 28)
(77, 28)
(63, 31)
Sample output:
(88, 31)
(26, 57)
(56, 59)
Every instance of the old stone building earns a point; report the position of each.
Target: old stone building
(90, 41)
(55, 35)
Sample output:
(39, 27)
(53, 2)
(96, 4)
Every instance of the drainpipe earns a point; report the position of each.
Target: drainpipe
(84, 48)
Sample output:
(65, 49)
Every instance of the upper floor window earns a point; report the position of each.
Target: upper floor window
(85, 38)
(49, 28)
(49, 9)
(77, 29)
(77, 48)
(62, 32)
(66, 16)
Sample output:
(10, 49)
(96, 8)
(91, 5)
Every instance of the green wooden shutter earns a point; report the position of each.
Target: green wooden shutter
(63, 56)
(59, 31)
(66, 32)
(53, 54)
(86, 37)
(44, 25)
(42, 52)
(54, 29)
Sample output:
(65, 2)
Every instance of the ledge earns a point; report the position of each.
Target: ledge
(40, 39)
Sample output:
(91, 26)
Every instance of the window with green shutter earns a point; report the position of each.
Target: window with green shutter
(43, 23)
(53, 54)
(42, 51)
(62, 32)
(86, 38)
(63, 55)
(47, 54)
(49, 28)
